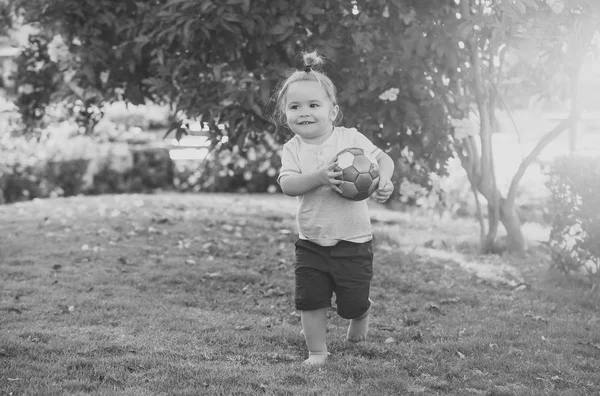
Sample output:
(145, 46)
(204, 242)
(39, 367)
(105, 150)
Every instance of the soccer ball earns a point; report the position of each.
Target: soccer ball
(359, 173)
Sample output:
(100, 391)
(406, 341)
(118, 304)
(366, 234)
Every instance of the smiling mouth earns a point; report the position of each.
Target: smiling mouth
(305, 123)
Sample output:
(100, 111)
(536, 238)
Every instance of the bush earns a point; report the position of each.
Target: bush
(254, 170)
(146, 117)
(64, 166)
(574, 184)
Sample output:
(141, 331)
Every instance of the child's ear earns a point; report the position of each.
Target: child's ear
(334, 112)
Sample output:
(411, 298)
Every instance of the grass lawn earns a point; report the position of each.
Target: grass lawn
(193, 294)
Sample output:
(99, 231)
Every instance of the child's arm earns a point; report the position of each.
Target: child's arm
(301, 183)
(386, 170)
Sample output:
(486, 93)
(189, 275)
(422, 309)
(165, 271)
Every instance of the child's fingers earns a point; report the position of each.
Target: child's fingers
(334, 174)
(336, 188)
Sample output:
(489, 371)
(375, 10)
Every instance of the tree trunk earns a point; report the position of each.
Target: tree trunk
(515, 240)
(486, 179)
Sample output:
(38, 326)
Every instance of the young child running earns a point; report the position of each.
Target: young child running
(334, 253)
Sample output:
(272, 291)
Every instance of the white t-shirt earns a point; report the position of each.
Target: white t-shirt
(325, 217)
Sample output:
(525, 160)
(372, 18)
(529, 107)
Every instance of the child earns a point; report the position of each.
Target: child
(334, 253)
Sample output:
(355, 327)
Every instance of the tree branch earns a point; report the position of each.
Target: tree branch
(544, 141)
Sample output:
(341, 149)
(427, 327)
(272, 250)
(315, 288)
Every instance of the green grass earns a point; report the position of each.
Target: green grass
(193, 294)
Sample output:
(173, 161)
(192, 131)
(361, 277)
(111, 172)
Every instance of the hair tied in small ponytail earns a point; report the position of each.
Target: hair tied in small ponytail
(308, 68)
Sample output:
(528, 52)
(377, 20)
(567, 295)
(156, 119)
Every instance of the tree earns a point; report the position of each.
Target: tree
(221, 61)
(491, 30)
(400, 66)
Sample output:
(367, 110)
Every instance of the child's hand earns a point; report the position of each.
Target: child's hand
(384, 191)
(328, 175)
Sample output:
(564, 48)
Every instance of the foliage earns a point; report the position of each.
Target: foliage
(575, 235)
(36, 78)
(252, 171)
(63, 165)
(220, 62)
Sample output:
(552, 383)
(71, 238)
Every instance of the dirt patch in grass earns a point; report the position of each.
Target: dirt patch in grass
(193, 294)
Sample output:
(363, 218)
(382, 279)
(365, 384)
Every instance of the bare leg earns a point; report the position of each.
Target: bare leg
(314, 325)
(357, 331)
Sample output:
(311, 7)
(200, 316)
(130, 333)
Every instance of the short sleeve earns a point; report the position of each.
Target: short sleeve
(290, 163)
(361, 141)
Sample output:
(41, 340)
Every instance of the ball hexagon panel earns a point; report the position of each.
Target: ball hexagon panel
(350, 174)
(363, 182)
(348, 190)
(362, 163)
(345, 160)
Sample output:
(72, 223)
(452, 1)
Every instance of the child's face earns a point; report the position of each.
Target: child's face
(309, 110)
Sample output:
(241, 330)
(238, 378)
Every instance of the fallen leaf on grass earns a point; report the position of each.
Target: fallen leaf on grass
(450, 300)
(64, 309)
(274, 292)
(520, 287)
(278, 357)
(390, 340)
(536, 318)
(227, 227)
(245, 327)
(56, 267)
(589, 343)
(13, 379)
(13, 309)
(386, 327)
(435, 308)
(460, 355)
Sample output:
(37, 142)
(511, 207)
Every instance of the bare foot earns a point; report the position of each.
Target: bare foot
(315, 359)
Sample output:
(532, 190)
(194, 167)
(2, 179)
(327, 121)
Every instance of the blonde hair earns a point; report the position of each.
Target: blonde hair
(311, 61)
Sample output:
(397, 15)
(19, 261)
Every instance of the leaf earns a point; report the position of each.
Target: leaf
(589, 343)
(277, 30)
(435, 308)
(243, 327)
(537, 318)
(450, 300)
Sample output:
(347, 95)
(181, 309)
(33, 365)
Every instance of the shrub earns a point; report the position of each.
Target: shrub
(146, 117)
(254, 170)
(574, 184)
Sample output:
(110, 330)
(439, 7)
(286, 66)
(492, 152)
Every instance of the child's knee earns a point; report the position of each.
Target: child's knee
(354, 309)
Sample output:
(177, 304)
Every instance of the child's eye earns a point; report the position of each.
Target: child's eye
(293, 107)
(314, 105)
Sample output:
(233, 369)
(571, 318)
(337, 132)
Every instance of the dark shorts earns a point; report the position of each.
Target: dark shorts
(345, 269)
